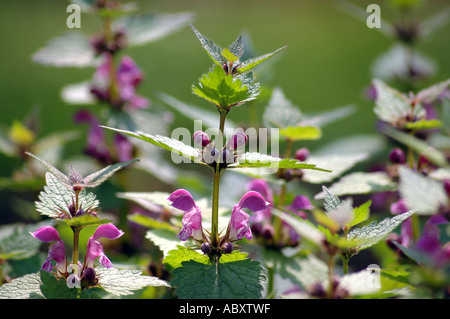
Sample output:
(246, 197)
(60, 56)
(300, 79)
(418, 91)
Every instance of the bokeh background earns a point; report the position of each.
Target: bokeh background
(326, 64)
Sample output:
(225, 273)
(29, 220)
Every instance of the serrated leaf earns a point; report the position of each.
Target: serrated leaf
(16, 243)
(241, 279)
(56, 288)
(251, 63)
(361, 183)
(253, 159)
(97, 178)
(214, 51)
(421, 193)
(141, 29)
(280, 112)
(166, 143)
(237, 48)
(337, 163)
(56, 198)
(421, 147)
(25, 287)
(225, 90)
(165, 239)
(332, 202)
(71, 49)
(371, 234)
(361, 214)
(301, 133)
(121, 282)
(391, 105)
(430, 94)
(176, 257)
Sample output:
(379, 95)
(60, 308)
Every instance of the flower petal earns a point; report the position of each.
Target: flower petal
(107, 231)
(47, 234)
(253, 201)
(182, 200)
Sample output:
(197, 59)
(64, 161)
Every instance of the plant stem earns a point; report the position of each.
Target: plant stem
(216, 186)
(330, 275)
(76, 243)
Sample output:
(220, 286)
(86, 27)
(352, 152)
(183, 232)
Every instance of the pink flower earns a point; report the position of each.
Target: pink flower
(261, 186)
(239, 223)
(192, 218)
(95, 248)
(57, 251)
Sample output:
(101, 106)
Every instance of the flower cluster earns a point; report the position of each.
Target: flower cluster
(263, 224)
(238, 227)
(57, 252)
(213, 154)
(128, 77)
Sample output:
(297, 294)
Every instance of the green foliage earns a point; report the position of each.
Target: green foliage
(225, 90)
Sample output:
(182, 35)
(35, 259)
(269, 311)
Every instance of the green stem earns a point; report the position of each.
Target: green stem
(216, 186)
(345, 265)
(330, 275)
(76, 243)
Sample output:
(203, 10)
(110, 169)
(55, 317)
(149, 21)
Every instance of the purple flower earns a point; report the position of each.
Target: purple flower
(201, 138)
(123, 147)
(239, 223)
(96, 144)
(429, 242)
(406, 235)
(261, 186)
(57, 252)
(95, 248)
(192, 217)
(128, 76)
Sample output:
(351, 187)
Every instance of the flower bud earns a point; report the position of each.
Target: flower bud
(237, 140)
(89, 274)
(227, 157)
(227, 248)
(397, 156)
(206, 248)
(302, 154)
(201, 138)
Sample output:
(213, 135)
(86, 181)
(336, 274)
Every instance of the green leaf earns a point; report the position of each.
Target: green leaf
(214, 52)
(16, 243)
(141, 29)
(332, 202)
(71, 49)
(280, 112)
(56, 198)
(25, 287)
(241, 279)
(423, 125)
(122, 282)
(391, 105)
(149, 222)
(430, 94)
(85, 220)
(301, 133)
(251, 63)
(338, 163)
(56, 288)
(421, 147)
(371, 234)
(361, 183)
(166, 143)
(361, 214)
(253, 159)
(166, 240)
(176, 257)
(97, 178)
(422, 194)
(225, 90)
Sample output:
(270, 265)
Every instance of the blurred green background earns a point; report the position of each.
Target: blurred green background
(326, 64)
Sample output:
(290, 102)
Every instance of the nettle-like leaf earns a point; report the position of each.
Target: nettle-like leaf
(392, 106)
(25, 287)
(254, 160)
(371, 234)
(56, 199)
(225, 90)
(423, 194)
(75, 180)
(122, 282)
(166, 143)
(231, 54)
(338, 163)
(141, 29)
(16, 242)
(361, 183)
(71, 49)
